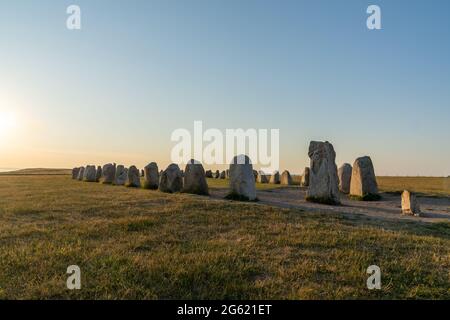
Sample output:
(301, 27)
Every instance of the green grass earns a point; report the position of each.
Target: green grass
(142, 244)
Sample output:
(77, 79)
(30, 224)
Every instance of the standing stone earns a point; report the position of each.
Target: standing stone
(171, 179)
(133, 179)
(323, 178)
(121, 175)
(286, 178)
(262, 177)
(242, 180)
(90, 174)
(223, 175)
(208, 174)
(410, 205)
(345, 176)
(109, 173)
(305, 177)
(99, 173)
(151, 176)
(227, 173)
(363, 185)
(194, 179)
(142, 173)
(75, 172)
(275, 178)
(81, 174)
(217, 174)
(255, 174)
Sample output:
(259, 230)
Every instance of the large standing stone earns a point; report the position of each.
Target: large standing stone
(242, 180)
(121, 175)
(223, 175)
(99, 174)
(75, 172)
(323, 178)
(81, 174)
(363, 185)
(151, 176)
(208, 174)
(275, 178)
(286, 178)
(194, 178)
(109, 173)
(305, 177)
(133, 179)
(217, 174)
(410, 205)
(262, 177)
(345, 176)
(171, 179)
(90, 174)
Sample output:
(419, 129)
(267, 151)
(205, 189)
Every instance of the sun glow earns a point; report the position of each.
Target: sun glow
(7, 123)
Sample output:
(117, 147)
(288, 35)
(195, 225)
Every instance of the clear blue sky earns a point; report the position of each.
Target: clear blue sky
(137, 70)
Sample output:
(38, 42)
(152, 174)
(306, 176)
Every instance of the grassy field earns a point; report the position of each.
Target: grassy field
(429, 186)
(141, 244)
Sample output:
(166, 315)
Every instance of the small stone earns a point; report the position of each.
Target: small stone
(275, 178)
(410, 205)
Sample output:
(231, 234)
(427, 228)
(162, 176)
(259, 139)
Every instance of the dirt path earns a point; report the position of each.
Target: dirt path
(433, 209)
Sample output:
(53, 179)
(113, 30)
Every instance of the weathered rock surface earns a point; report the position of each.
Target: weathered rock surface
(275, 178)
(286, 178)
(345, 176)
(98, 174)
(75, 172)
(223, 175)
(195, 179)
(323, 178)
(262, 177)
(151, 176)
(121, 175)
(305, 177)
(109, 173)
(81, 173)
(363, 185)
(242, 180)
(90, 174)
(410, 205)
(133, 179)
(171, 179)
(208, 174)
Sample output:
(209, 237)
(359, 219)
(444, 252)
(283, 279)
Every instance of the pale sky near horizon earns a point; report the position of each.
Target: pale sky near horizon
(115, 90)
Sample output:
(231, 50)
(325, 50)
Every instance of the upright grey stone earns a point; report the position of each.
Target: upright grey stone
(223, 175)
(109, 173)
(208, 174)
(81, 174)
(75, 172)
(305, 177)
(363, 185)
(171, 179)
(242, 180)
(151, 176)
(262, 177)
(195, 179)
(275, 178)
(345, 176)
(286, 178)
(217, 174)
(90, 174)
(121, 175)
(99, 174)
(133, 179)
(323, 178)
